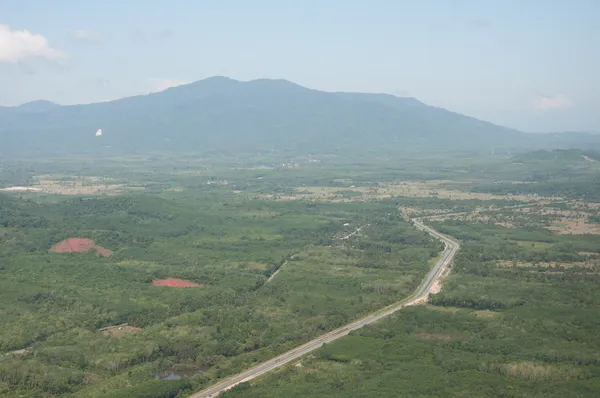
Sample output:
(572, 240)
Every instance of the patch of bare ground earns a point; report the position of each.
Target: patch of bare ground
(569, 226)
(485, 214)
(561, 218)
(20, 352)
(73, 185)
(422, 300)
(20, 189)
(585, 205)
(433, 336)
(436, 287)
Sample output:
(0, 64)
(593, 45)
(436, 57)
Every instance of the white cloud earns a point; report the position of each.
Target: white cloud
(17, 46)
(85, 36)
(552, 102)
(156, 85)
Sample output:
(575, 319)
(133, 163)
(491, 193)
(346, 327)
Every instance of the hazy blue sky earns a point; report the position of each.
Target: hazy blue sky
(529, 64)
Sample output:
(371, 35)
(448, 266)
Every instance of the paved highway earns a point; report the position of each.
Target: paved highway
(419, 296)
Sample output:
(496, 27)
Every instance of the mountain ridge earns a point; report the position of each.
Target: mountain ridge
(223, 115)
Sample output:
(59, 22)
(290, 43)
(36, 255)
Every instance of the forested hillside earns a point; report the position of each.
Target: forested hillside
(220, 115)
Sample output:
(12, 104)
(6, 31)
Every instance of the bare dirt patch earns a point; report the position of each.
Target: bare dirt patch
(20, 189)
(174, 282)
(567, 226)
(78, 245)
(20, 352)
(77, 185)
(436, 287)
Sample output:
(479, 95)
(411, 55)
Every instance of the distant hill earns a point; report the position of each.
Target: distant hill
(33, 106)
(221, 115)
(38, 106)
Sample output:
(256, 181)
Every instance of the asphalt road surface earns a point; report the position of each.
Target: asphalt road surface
(420, 295)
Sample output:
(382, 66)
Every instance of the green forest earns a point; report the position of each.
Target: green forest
(516, 316)
(53, 304)
(492, 331)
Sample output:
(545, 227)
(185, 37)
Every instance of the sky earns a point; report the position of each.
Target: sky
(526, 64)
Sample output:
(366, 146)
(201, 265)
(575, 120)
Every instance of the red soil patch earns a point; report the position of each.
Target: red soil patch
(173, 282)
(76, 245)
(102, 251)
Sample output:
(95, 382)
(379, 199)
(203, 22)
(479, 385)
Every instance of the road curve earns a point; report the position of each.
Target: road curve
(420, 295)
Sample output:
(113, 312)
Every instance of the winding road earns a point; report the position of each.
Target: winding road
(419, 296)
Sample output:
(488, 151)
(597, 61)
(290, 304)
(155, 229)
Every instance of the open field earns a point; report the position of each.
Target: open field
(77, 185)
(387, 190)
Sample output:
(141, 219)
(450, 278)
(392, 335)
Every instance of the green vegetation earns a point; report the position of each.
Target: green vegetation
(594, 219)
(154, 389)
(493, 331)
(222, 116)
(53, 304)
(516, 316)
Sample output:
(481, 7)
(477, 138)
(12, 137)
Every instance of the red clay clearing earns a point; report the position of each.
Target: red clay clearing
(76, 245)
(174, 282)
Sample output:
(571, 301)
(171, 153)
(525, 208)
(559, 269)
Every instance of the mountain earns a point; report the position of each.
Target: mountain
(33, 106)
(219, 115)
(38, 106)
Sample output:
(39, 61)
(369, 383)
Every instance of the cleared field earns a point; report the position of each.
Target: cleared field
(79, 185)
(574, 227)
(386, 190)
(78, 245)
